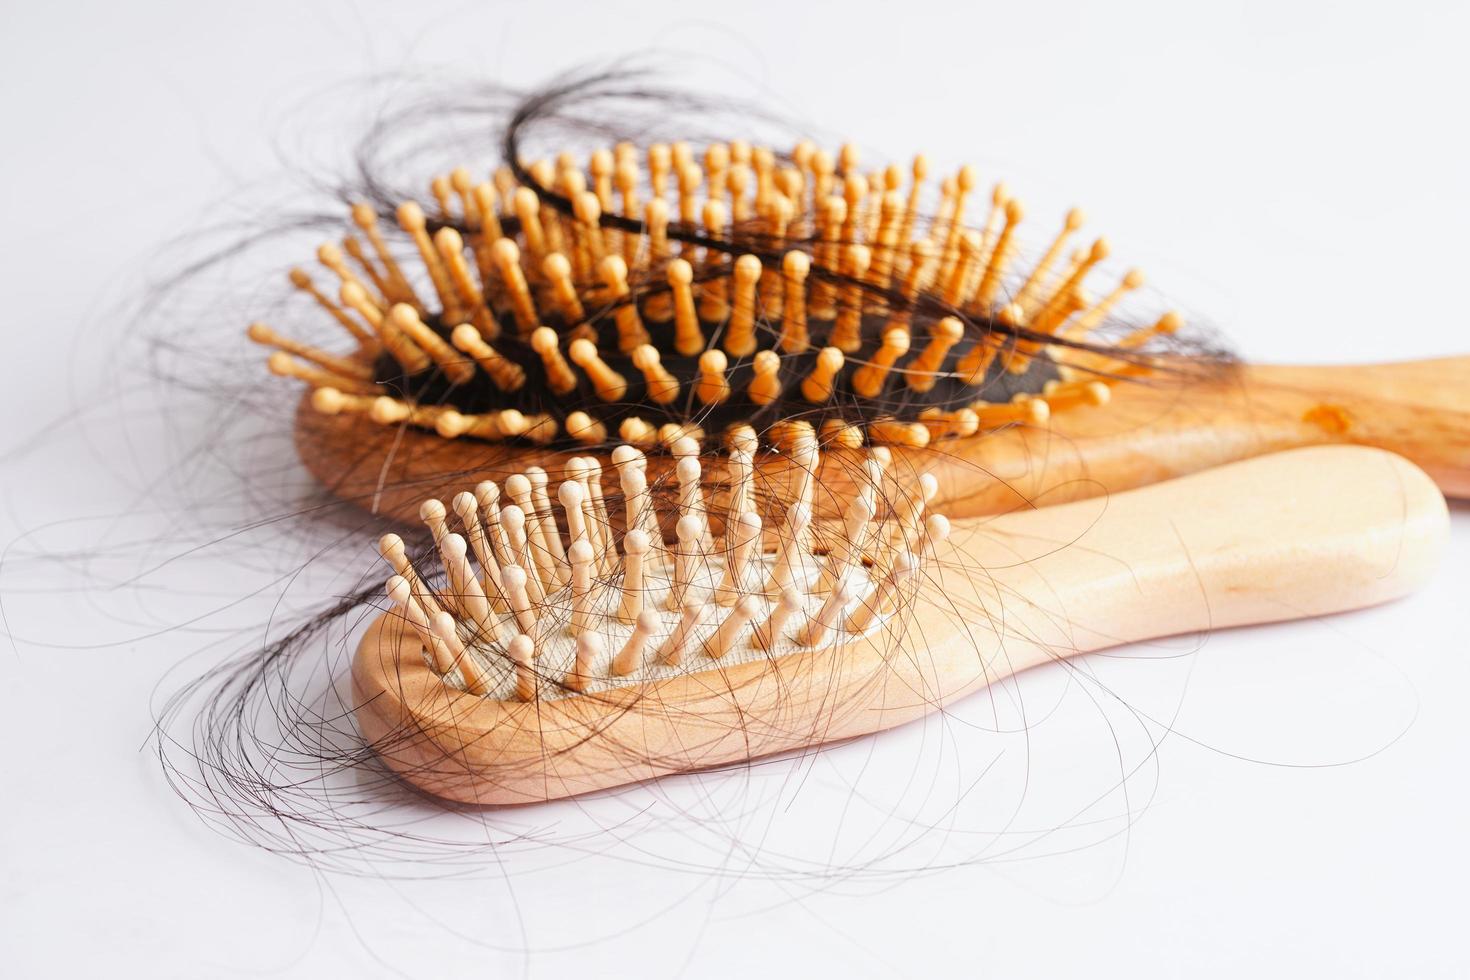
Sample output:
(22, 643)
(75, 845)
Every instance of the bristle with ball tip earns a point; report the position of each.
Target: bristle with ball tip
(647, 294)
(496, 620)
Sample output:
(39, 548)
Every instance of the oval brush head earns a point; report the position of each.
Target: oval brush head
(654, 295)
(610, 607)
(556, 654)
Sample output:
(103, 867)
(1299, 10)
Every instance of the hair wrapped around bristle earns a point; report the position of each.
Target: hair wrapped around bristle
(546, 591)
(656, 292)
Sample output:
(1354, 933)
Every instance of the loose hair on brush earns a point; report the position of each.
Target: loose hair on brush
(267, 744)
(564, 319)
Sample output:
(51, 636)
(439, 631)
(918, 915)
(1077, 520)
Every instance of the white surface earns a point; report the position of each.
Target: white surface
(1296, 172)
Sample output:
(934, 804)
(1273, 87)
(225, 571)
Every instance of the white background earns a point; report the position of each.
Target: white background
(1295, 172)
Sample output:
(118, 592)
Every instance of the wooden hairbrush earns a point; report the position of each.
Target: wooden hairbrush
(655, 296)
(578, 657)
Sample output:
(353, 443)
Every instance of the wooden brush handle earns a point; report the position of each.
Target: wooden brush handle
(1418, 409)
(1149, 432)
(1152, 432)
(1294, 534)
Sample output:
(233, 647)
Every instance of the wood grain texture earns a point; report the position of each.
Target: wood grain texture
(1288, 535)
(1418, 409)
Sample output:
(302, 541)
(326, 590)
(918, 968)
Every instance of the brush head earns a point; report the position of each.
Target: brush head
(754, 291)
(1352, 526)
(538, 600)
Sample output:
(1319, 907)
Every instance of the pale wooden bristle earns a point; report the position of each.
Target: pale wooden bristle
(507, 256)
(922, 372)
(1167, 324)
(609, 384)
(558, 272)
(690, 177)
(868, 380)
(714, 305)
(837, 433)
(488, 201)
(638, 432)
(559, 376)
(662, 386)
(492, 426)
(302, 281)
(631, 332)
(688, 334)
(507, 374)
(455, 366)
(585, 429)
(345, 367)
(740, 332)
(330, 256)
(889, 432)
(630, 657)
(772, 257)
(1092, 318)
(284, 365)
(1025, 411)
(399, 290)
(528, 213)
(659, 162)
(670, 434)
(412, 610)
(818, 385)
(522, 654)
(712, 388)
(411, 219)
(957, 424)
(1062, 395)
(765, 386)
(794, 338)
(999, 256)
(331, 401)
(451, 249)
(847, 331)
(519, 618)
(970, 245)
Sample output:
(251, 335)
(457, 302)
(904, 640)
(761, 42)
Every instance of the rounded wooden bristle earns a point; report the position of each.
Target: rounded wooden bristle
(922, 372)
(558, 272)
(284, 365)
(507, 257)
(631, 333)
(522, 650)
(507, 374)
(663, 387)
(792, 284)
(714, 306)
(817, 386)
(794, 336)
(585, 429)
(543, 619)
(262, 334)
(712, 388)
(1061, 396)
(609, 384)
(1026, 411)
(455, 366)
(847, 331)
(688, 334)
(958, 424)
(868, 380)
(765, 386)
(740, 333)
(836, 433)
(559, 376)
(888, 432)
(638, 432)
